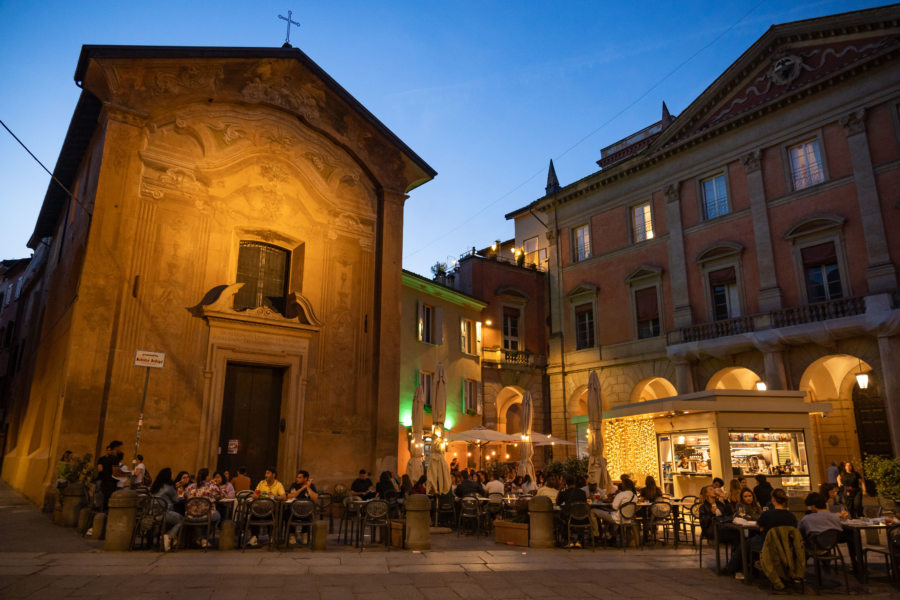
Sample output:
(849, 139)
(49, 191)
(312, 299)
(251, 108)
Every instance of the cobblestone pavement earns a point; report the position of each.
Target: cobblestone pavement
(41, 560)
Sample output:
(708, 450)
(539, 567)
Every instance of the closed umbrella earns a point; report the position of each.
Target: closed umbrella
(438, 481)
(597, 471)
(526, 467)
(414, 467)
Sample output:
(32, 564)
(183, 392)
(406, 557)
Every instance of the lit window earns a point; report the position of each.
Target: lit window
(715, 197)
(642, 222)
(263, 269)
(724, 294)
(584, 326)
(823, 277)
(647, 312)
(468, 336)
(582, 242)
(806, 165)
(429, 325)
(425, 380)
(470, 396)
(510, 328)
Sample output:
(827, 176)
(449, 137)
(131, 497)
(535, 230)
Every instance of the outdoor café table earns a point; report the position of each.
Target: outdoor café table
(745, 528)
(226, 507)
(856, 527)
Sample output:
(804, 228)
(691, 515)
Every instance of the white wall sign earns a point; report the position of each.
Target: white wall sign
(146, 358)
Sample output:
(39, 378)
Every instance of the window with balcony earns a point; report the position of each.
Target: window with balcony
(807, 168)
(822, 273)
(533, 254)
(642, 222)
(584, 326)
(581, 242)
(646, 308)
(723, 293)
(510, 328)
(715, 197)
(264, 271)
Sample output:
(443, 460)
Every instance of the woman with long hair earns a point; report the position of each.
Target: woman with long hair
(406, 485)
(164, 488)
(734, 492)
(747, 507)
(651, 491)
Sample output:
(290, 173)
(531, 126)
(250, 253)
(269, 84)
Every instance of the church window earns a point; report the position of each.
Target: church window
(264, 271)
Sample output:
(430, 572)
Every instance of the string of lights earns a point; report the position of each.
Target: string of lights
(630, 447)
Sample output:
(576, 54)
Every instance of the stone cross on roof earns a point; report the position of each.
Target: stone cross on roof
(287, 37)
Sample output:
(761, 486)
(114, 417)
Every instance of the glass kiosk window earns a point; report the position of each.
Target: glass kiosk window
(683, 453)
(771, 453)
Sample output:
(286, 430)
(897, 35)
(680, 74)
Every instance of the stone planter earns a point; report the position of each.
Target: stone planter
(398, 534)
(507, 532)
(72, 496)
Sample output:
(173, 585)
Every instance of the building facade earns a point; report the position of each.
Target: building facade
(749, 242)
(239, 211)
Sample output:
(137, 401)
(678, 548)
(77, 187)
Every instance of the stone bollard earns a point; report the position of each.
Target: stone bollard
(98, 525)
(226, 535)
(84, 515)
(319, 535)
(72, 495)
(540, 519)
(418, 522)
(120, 520)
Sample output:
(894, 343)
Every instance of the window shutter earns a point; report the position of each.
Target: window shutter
(463, 409)
(722, 277)
(462, 334)
(645, 304)
(820, 254)
(478, 338)
(438, 333)
(420, 321)
(479, 407)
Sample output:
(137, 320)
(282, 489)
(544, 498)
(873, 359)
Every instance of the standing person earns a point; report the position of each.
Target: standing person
(763, 490)
(241, 482)
(137, 479)
(832, 473)
(164, 488)
(107, 469)
(124, 473)
(851, 490)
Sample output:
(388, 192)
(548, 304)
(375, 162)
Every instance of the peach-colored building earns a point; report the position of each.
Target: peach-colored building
(751, 239)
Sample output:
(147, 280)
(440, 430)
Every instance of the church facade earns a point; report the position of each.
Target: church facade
(239, 211)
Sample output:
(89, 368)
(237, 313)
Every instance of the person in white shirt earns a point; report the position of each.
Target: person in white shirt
(528, 486)
(494, 486)
(626, 495)
(139, 470)
(549, 489)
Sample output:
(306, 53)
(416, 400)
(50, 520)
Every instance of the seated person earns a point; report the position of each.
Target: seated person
(714, 511)
(494, 486)
(821, 519)
(224, 485)
(241, 482)
(362, 486)
(528, 486)
(778, 516)
(572, 495)
(385, 485)
(747, 507)
(651, 491)
(829, 491)
(204, 488)
(467, 487)
(302, 489)
(272, 488)
(419, 488)
(627, 494)
(718, 485)
(550, 489)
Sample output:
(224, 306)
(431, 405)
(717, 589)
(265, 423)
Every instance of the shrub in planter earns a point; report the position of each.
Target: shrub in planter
(885, 472)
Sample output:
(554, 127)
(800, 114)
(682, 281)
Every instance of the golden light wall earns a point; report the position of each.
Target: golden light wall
(630, 447)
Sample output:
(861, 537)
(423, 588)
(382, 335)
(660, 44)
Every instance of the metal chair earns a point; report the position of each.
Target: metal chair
(149, 522)
(687, 519)
(239, 515)
(659, 514)
(444, 506)
(469, 512)
(823, 549)
(376, 516)
(714, 542)
(392, 497)
(323, 509)
(579, 521)
(627, 522)
(348, 528)
(260, 513)
(891, 554)
(494, 507)
(302, 514)
(197, 515)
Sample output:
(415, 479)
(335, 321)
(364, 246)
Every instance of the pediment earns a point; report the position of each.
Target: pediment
(814, 224)
(787, 62)
(643, 272)
(219, 302)
(511, 294)
(582, 289)
(718, 251)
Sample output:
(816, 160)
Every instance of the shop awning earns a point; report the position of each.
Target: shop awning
(740, 401)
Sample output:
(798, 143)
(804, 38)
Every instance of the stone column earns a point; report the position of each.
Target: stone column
(418, 522)
(880, 274)
(389, 250)
(681, 301)
(684, 378)
(889, 349)
(540, 522)
(776, 376)
(769, 296)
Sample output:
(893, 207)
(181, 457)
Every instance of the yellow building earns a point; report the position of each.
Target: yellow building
(239, 211)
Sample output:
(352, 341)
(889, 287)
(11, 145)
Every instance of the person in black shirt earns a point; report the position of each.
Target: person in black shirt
(107, 469)
(763, 490)
(570, 495)
(362, 486)
(385, 485)
(303, 488)
(779, 516)
(851, 490)
(467, 487)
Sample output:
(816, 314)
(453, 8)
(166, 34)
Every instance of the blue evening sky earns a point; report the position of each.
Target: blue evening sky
(485, 92)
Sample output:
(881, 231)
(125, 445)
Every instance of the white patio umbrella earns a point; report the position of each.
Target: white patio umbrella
(481, 435)
(597, 471)
(526, 467)
(438, 481)
(414, 467)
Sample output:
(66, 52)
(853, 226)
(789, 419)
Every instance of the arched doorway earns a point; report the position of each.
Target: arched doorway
(733, 378)
(652, 388)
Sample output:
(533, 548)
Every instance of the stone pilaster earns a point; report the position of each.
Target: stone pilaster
(776, 376)
(684, 377)
(681, 301)
(769, 295)
(889, 349)
(881, 274)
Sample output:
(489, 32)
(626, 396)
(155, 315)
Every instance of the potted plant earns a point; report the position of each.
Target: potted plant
(885, 472)
(74, 476)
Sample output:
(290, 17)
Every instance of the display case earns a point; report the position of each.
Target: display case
(780, 455)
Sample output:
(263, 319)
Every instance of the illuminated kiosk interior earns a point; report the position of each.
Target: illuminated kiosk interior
(724, 433)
